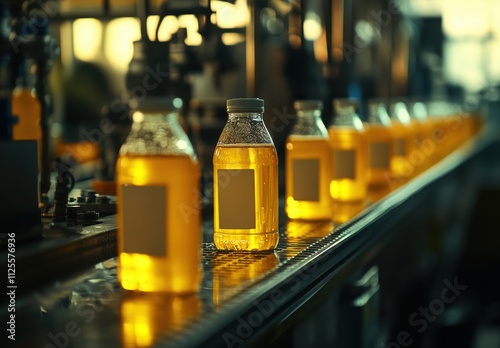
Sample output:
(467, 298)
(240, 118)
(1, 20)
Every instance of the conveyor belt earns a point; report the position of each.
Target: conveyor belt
(241, 295)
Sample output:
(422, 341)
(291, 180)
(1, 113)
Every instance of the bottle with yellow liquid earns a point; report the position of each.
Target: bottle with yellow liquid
(158, 189)
(245, 165)
(308, 165)
(27, 108)
(423, 146)
(404, 140)
(350, 153)
(380, 143)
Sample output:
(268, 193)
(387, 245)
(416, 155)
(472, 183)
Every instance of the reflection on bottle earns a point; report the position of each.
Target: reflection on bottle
(232, 270)
(145, 317)
(300, 234)
(343, 212)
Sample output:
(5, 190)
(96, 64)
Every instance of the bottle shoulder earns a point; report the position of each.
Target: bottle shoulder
(245, 131)
(157, 138)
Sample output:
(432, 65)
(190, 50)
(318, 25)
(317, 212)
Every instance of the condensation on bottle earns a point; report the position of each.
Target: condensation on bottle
(158, 191)
(245, 171)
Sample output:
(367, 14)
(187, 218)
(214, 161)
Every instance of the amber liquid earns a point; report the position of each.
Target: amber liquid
(179, 271)
(28, 110)
(306, 147)
(404, 144)
(264, 161)
(350, 189)
(378, 134)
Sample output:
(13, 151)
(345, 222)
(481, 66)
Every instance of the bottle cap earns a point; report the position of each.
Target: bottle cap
(245, 105)
(308, 105)
(345, 102)
(155, 103)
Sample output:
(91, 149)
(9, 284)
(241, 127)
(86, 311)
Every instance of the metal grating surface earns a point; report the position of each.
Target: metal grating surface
(102, 316)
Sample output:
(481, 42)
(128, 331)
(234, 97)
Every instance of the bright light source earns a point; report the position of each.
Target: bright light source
(312, 27)
(231, 16)
(190, 22)
(463, 64)
(120, 35)
(169, 26)
(229, 39)
(465, 18)
(87, 38)
(138, 116)
(151, 24)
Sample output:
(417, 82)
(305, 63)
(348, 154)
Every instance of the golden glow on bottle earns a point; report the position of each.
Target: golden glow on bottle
(380, 152)
(350, 164)
(27, 108)
(259, 227)
(312, 156)
(178, 271)
(404, 144)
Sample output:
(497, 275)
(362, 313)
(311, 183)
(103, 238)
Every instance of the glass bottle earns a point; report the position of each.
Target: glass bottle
(27, 108)
(309, 165)
(158, 196)
(380, 143)
(350, 153)
(424, 146)
(245, 180)
(404, 140)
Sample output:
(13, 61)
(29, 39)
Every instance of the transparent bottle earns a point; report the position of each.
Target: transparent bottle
(308, 165)
(380, 143)
(404, 140)
(245, 180)
(27, 108)
(424, 147)
(158, 192)
(350, 153)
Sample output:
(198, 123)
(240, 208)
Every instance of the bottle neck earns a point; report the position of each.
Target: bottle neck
(309, 123)
(157, 133)
(347, 117)
(400, 113)
(254, 116)
(140, 117)
(378, 115)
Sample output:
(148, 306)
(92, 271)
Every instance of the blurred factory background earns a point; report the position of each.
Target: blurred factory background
(277, 50)
(81, 61)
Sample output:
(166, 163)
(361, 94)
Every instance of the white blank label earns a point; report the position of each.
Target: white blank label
(236, 198)
(144, 220)
(379, 155)
(344, 164)
(306, 179)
